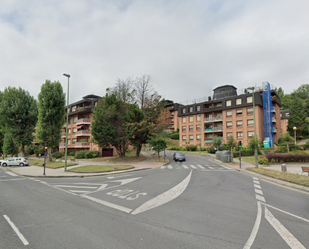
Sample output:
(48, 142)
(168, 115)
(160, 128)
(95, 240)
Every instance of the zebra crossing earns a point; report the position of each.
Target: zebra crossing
(197, 167)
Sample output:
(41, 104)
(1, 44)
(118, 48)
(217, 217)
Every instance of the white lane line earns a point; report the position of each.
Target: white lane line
(283, 232)
(11, 173)
(164, 197)
(170, 166)
(19, 234)
(258, 191)
(108, 204)
(192, 166)
(162, 167)
(72, 186)
(256, 181)
(298, 217)
(255, 227)
(255, 178)
(257, 186)
(80, 191)
(200, 166)
(226, 167)
(209, 167)
(185, 166)
(260, 198)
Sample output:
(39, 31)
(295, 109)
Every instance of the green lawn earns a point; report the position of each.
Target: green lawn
(52, 165)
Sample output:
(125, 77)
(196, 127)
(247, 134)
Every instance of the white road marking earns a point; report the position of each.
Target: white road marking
(255, 178)
(11, 173)
(108, 204)
(103, 186)
(125, 181)
(170, 166)
(256, 181)
(257, 186)
(258, 191)
(19, 234)
(209, 167)
(255, 227)
(164, 197)
(192, 166)
(162, 167)
(283, 232)
(185, 166)
(200, 166)
(72, 186)
(224, 166)
(110, 177)
(80, 191)
(260, 198)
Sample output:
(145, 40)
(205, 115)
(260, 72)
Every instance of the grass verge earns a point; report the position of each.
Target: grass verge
(289, 177)
(51, 165)
(100, 168)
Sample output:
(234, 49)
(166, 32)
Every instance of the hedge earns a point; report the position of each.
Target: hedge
(58, 154)
(174, 136)
(243, 153)
(275, 157)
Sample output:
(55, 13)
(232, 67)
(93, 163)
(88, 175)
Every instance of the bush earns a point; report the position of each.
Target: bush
(203, 148)
(275, 157)
(58, 154)
(174, 136)
(244, 153)
(191, 148)
(306, 147)
(72, 153)
(86, 154)
(281, 149)
(263, 161)
(30, 149)
(211, 150)
(80, 154)
(182, 149)
(39, 151)
(295, 147)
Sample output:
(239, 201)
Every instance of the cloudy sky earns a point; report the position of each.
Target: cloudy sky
(188, 47)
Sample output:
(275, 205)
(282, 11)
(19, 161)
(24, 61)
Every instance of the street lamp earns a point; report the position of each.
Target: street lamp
(255, 135)
(295, 128)
(66, 133)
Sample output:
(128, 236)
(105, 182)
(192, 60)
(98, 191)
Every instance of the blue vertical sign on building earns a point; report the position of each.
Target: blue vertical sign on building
(268, 110)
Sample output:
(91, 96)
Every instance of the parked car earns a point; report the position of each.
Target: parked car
(15, 161)
(178, 156)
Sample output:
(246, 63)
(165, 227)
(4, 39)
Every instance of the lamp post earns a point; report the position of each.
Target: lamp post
(66, 133)
(255, 135)
(295, 128)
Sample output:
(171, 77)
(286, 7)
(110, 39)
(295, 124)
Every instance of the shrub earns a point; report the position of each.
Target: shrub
(174, 148)
(275, 157)
(174, 136)
(295, 147)
(203, 148)
(58, 154)
(306, 147)
(39, 150)
(263, 161)
(211, 150)
(191, 148)
(281, 149)
(80, 154)
(72, 153)
(243, 153)
(182, 149)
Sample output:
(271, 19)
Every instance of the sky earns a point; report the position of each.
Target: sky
(188, 47)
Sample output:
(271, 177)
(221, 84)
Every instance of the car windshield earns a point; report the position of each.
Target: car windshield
(179, 154)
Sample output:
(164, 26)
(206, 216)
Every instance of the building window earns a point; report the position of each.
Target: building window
(238, 101)
(250, 111)
(238, 112)
(184, 128)
(250, 133)
(229, 134)
(198, 127)
(69, 141)
(184, 110)
(191, 109)
(198, 137)
(184, 120)
(198, 108)
(191, 137)
(229, 124)
(239, 123)
(96, 103)
(250, 122)
(75, 119)
(191, 128)
(74, 140)
(74, 108)
(184, 138)
(249, 99)
(69, 131)
(74, 130)
(198, 118)
(239, 135)
(229, 113)
(191, 119)
(70, 120)
(173, 119)
(228, 103)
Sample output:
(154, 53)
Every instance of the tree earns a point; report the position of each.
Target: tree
(9, 145)
(143, 88)
(124, 90)
(254, 143)
(51, 115)
(157, 143)
(287, 139)
(217, 141)
(18, 113)
(231, 143)
(110, 126)
(298, 115)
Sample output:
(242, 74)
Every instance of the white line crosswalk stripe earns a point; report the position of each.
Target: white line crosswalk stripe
(185, 166)
(197, 167)
(209, 167)
(200, 166)
(192, 166)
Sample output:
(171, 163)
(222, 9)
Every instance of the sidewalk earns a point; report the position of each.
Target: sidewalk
(37, 171)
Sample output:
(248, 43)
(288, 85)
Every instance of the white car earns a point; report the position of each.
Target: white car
(15, 161)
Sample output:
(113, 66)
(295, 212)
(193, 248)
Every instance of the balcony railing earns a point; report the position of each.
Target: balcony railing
(208, 119)
(83, 121)
(273, 110)
(63, 135)
(82, 145)
(274, 130)
(219, 128)
(62, 145)
(83, 133)
(208, 130)
(274, 120)
(208, 140)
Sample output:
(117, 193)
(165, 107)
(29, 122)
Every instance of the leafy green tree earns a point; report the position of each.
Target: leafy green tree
(254, 143)
(110, 126)
(231, 143)
(9, 145)
(18, 113)
(52, 111)
(287, 139)
(298, 115)
(157, 143)
(217, 141)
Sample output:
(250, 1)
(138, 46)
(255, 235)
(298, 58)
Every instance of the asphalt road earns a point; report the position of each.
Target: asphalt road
(200, 203)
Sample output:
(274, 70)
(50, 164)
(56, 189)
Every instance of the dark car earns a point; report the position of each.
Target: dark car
(178, 156)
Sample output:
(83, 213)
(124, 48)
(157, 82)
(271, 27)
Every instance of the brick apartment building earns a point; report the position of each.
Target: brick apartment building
(228, 113)
(79, 127)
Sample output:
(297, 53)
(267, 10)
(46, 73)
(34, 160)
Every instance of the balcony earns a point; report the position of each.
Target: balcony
(82, 145)
(83, 121)
(217, 129)
(274, 120)
(208, 140)
(218, 118)
(62, 145)
(274, 130)
(63, 135)
(208, 130)
(273, 110)
(83, 133)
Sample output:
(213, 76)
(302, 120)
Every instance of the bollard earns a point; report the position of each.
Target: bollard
(283, 167)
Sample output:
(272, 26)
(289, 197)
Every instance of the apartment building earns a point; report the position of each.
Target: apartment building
(228, 113)
(284, 114)
(79, 127)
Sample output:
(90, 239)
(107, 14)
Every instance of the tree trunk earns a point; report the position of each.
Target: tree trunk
(138, 149)
(49, 157)
(22, 149)
(232, 154)
(287, 145)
